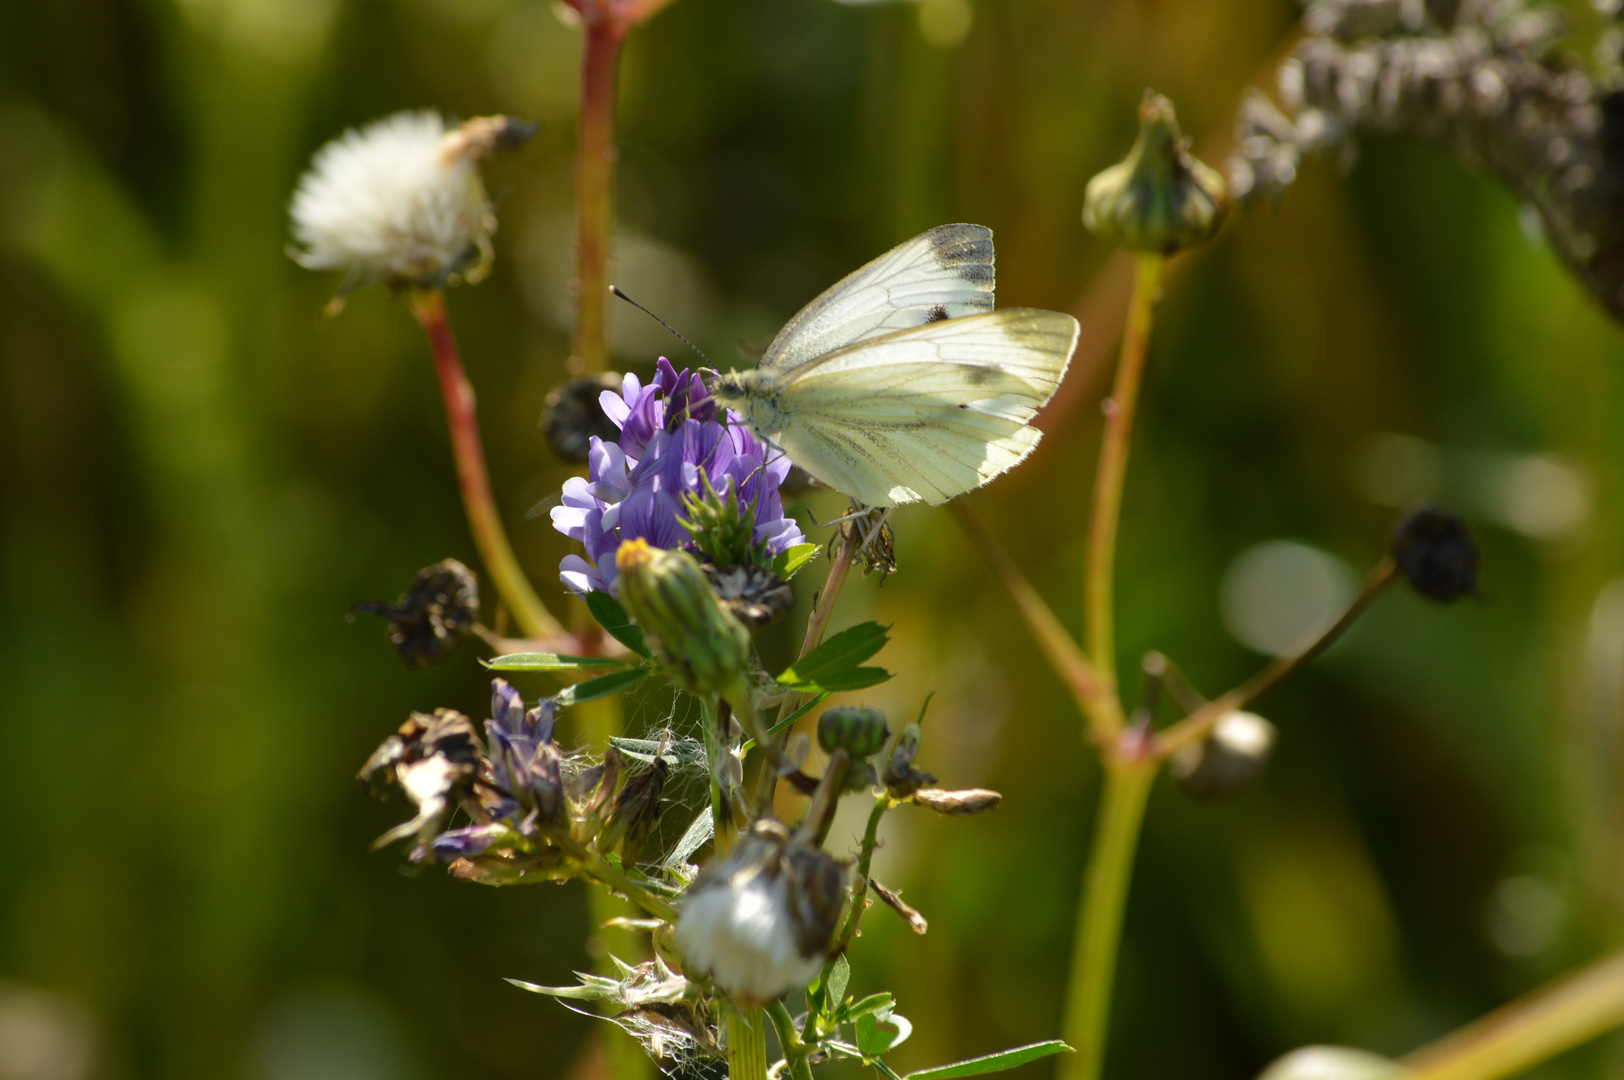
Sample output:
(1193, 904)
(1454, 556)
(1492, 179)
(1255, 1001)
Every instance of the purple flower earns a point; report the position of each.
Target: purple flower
(670, 433)
(524, 760)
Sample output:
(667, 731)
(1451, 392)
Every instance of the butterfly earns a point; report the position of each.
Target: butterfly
(900, 383)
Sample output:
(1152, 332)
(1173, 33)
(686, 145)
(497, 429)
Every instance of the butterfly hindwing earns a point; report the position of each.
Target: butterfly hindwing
(945, 273)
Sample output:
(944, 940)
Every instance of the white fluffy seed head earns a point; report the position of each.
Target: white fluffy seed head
(397, 201)
(740, 931)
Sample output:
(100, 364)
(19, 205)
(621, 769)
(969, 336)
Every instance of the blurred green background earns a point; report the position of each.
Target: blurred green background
(198, 476)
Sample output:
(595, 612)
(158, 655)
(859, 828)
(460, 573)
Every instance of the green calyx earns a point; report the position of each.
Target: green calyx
(1159, 198)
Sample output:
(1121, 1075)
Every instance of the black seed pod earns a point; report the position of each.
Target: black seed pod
(860, 732)
(1436, 554)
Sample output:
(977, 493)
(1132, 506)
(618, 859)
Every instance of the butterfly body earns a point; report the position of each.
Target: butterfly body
(901, 383)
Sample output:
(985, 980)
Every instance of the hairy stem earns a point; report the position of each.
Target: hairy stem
(1099, 923)
(1113, 464)
(483, 520)
(1199, 724)
(1541, 1025)
(746, 1043)
(594, 187)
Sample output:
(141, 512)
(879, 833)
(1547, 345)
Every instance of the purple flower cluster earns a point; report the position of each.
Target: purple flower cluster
(671, 431)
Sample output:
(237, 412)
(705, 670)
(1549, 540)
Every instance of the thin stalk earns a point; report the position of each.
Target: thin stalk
(789, 1040)
(603, 871)
(865, 857)
(1099, 923)
(1062, 652)
(594, 186)
(1199, 724)
(1102, 530)
(483, 520)
(746, 1043)
(1526, 1032)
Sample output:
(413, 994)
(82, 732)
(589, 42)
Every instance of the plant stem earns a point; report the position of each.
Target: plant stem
(789, 1040)
(1526, 1032)
(746, 1043)
(1062, 652)
(1199, 724)
(603, 871)
(819, 622)
(1099, 923)
(1113, 464)
(483, 520)
(594, 185)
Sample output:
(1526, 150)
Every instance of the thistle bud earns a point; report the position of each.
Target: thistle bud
(761, 922)
(1333, 1063)
(1436, 554)
(960, 803)
(1229, 761)
(1159, 198)
(860, 732)
(704, 648)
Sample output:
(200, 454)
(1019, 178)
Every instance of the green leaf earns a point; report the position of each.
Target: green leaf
(791, 559)
(678, 752)
(991, 1063)
(546, 661)
(834, 664)
(602, 686)
(839, 979)
(879, 1032)
(615, 622)
(818, 699)
(872, 1004)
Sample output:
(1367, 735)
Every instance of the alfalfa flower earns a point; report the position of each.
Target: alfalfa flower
(760, 924)
(400, 200)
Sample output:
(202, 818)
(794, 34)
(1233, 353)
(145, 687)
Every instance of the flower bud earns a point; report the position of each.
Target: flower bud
(960, 803)
(436, 613)
(636, 812)
(1159, 198)
(1333, 1063)
(704, 648)
(1229, 761)
(761, 923)
(1436, 554)
(860, 732)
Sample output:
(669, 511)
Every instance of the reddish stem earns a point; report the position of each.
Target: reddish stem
(594, 185)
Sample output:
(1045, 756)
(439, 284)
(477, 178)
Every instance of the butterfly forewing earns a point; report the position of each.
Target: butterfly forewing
(945, 273)
(926, 413)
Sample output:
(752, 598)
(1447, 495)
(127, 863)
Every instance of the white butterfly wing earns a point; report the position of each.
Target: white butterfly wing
(945, 273)
(927, 413)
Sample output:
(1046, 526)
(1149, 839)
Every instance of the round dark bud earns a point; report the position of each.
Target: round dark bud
(860, 732)
(572, 416)
(1436, 554)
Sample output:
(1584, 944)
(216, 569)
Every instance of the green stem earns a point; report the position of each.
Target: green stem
(594, 185)
(428, 305)
(1099, 923)
(795, 1052)
(1526, 1032)
(746, 1043)
(1113, 464)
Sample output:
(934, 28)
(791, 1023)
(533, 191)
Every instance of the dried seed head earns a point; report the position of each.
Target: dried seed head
(961, 803)
(434, 615)
(756, 596)
(901, 779)
(1436, 554)
(1229, 761)
(573, 415)
(635, 813)
(1159, 198)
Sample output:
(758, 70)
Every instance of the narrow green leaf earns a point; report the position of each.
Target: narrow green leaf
(791, 559)
(854, 679)
(615, 622)
(546, 661)
(818, 699)
(991, 1063)
(602, 686)
(839, 979)
(678, 752)
(872, 1004)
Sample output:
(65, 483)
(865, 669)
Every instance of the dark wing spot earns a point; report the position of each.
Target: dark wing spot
(977, 376)
(937, 314)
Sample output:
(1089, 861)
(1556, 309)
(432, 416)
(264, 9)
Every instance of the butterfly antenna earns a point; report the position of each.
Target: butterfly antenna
(616, 290)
